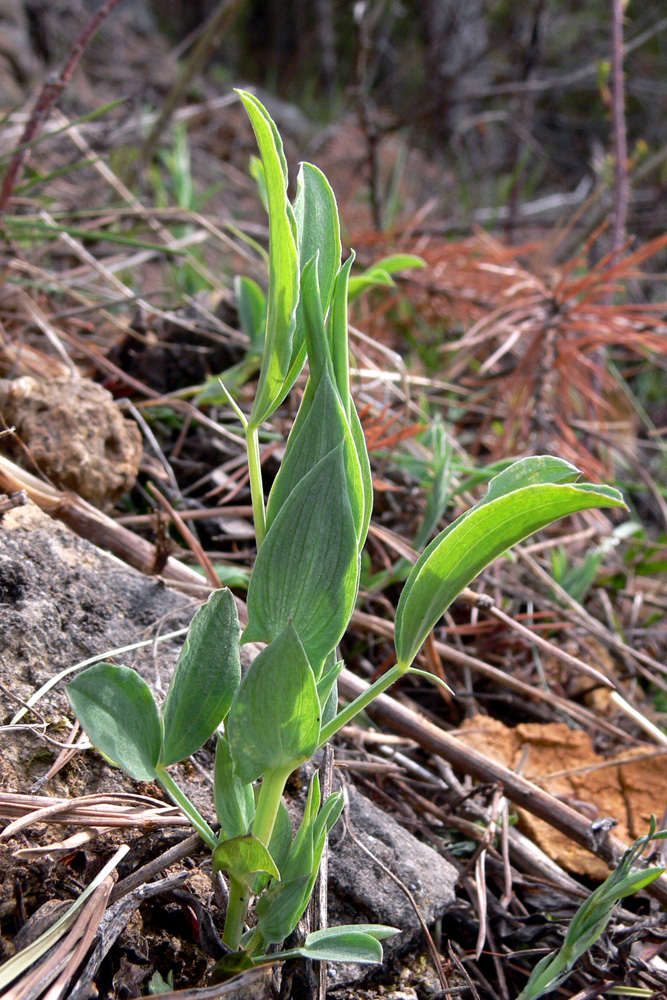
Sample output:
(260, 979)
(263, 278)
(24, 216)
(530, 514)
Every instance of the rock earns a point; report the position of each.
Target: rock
(75, 433)
(63, 600)
(365, 893)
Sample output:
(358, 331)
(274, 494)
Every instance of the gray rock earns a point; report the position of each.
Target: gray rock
(361, 883)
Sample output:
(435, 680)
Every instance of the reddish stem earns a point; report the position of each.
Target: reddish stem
(48, 96)
(620, 134)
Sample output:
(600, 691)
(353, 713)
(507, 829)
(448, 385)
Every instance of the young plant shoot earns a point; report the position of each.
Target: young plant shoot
(301, 595)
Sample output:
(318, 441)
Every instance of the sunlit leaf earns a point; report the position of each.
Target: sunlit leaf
(283, 265)
(465, 548)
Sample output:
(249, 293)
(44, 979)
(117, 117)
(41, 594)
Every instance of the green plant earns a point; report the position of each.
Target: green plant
(301, 596)
(591, 919)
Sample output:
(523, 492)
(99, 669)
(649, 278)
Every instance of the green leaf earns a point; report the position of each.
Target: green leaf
(306, 571)
(251, 303)
(274, 721)
(466, 547)
(283, 265)
(256, 171)
(350, 946)
(326, 819)
(396, 262)
(366, 476)
(338, 334)
(321, 423)
(207, 674)
(360, 283)
(242, 857)
(279, 908)
(116, 708)
(327, 681)
(347, 942)
(318, 235)
(318, 227)
(380, 273)
(319, 428)
(378, 931)
(234, 800)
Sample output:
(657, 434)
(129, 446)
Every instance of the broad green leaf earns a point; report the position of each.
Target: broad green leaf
(256, 171)
(117, 710)
(337, 326)
(327, 681)
(378, 931)
(283, 265)
(207, 674)
(274, 721)
(396, 262)
(234, 800)
(242, 857)
(279, 908)
(321, 423)
(463, 550)
(251, 304)
(318, 227)
(306, 571)
(380, 273)
(349, 946)
(361, 283)
(318, 235)
(320, 427)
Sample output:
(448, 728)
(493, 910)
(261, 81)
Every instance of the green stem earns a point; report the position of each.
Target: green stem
(268, 803)
(273, 785)
(361, 702)
(237, 910)
(186, 807)
(256, 487)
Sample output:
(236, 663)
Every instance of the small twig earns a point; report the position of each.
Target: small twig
(523, 793)
(621, 186)
(48, 96)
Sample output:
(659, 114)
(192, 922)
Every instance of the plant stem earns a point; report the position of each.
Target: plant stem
(237, 909)
(256, 487)
(186, 807)
(270, 795)
(361, 702)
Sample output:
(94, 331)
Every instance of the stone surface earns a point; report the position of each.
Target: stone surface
(360, 883)
(75, 434)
